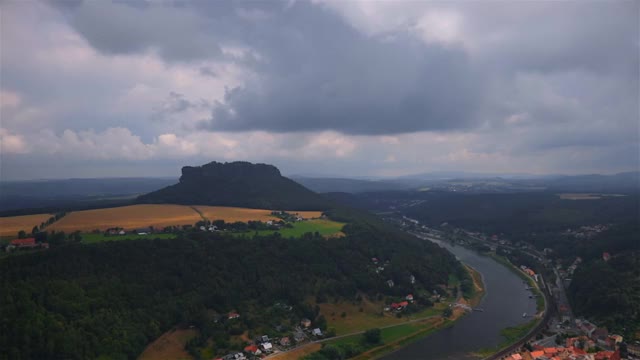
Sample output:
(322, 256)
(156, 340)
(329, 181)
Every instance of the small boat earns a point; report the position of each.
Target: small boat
(524, 315)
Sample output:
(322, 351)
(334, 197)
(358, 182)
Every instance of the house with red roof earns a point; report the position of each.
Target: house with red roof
(252, 349)
(399, 306)
(233, 315)
(28, 243)
(606, 256)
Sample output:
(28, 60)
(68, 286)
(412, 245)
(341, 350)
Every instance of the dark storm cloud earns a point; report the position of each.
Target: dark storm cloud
(312, 70)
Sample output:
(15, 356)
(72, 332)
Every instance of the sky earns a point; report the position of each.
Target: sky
(322, 88)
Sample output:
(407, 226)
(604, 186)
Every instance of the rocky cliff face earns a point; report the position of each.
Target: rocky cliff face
(237, 184)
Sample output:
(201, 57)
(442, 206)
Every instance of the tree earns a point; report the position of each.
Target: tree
(447, 312)
(373, 336)
(22, 234)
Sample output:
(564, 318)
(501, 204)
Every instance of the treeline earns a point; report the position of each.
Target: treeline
(111, 299)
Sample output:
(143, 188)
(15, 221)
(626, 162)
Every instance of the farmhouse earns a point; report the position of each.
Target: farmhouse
(317, 332)
(28, 243)
(305, 322)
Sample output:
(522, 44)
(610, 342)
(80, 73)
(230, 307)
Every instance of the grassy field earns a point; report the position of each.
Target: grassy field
(127, 217)
(169, 346)
(232, 214)
(10, 226)
(370, 317)
(328, 228)
(91, 238)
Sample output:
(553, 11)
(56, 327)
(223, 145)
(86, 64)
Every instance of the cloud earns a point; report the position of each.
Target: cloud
(356, 87)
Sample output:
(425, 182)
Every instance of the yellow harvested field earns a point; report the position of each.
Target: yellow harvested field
(232, 214)
(127, 217)
(169, 346)
(13, 224)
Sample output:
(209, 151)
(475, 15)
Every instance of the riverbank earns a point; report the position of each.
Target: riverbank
(473, 301)
(514, 334)
(396, 337)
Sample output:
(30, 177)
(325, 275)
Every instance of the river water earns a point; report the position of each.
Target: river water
(505, 300)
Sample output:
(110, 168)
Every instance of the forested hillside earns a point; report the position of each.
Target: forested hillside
(609, 291)
(111, 299)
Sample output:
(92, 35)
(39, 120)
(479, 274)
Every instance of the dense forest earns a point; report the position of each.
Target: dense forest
(111, 299)
(609, 291)
(243, 184)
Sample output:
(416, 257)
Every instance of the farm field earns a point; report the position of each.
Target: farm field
(328, 228)
(169, 346)
(10, 226)
(127, 217)
(91, 238)
(156, 215)
(232, 214)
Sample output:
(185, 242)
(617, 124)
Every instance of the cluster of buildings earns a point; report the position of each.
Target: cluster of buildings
(564, 353)
(264, 345)
(587, 232)
(593, 343)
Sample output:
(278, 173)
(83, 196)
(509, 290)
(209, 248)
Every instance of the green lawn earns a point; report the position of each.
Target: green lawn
(322, 226)
(90, 238)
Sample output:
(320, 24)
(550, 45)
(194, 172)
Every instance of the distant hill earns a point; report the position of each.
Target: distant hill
(74, 193)
(237, 184)
(329, 185)
(622, 182)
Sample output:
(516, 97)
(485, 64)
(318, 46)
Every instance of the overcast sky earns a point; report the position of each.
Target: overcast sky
(141, 88)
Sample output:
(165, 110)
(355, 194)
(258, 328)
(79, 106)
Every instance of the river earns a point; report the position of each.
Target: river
(505, 300)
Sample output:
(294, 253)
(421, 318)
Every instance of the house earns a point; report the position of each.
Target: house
(121, 232)
(23, 243)
(213, 228)
(264, 338)
(390, 283)
(399, 306)
(267, 347)
(317, 332)
(285, 341)
(375, 260)
(305, 322)
(28, 243)
(530, 272)
(233, 315)
(144, 231)
(537, 354)
(409, 297)
(412, 279)
(253, 350)
(270, 222)
(516, 357)
(606, 256)
(202, 228)
(298, 336)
